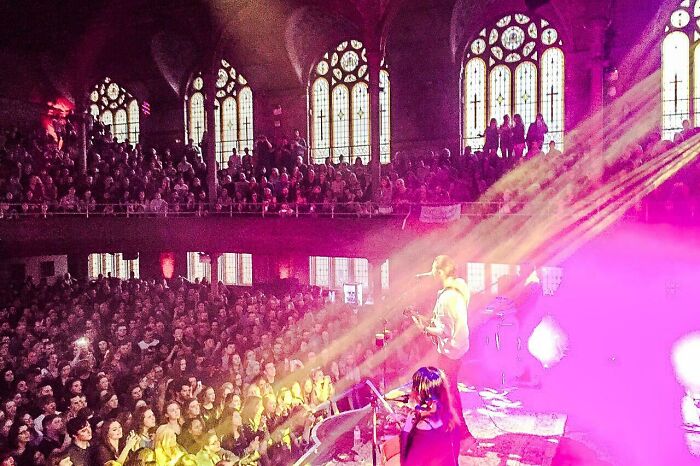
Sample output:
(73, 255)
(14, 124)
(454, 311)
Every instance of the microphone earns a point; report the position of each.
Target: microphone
(399, 398)
(424, 275)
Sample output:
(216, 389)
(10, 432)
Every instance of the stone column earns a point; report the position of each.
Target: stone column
(597, 28)
(82, 115)
(210, 109)
(374, 60)
(214, 258)
(375, 279)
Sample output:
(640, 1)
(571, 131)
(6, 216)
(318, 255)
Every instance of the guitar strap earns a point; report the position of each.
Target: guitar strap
(461, 293)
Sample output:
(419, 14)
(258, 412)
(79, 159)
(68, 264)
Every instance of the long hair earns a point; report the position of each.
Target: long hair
(104, 435)
(137, 419)
(432, 388)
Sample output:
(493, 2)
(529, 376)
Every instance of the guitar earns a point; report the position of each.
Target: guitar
(421, 322)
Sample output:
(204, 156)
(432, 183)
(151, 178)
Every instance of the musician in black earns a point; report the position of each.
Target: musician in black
(431, 433)
(448, 327)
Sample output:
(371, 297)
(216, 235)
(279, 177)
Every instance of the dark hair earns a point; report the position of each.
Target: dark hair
(74, 425)
(431, 386)
(48, 419)
(45, 399)
(137, 418)
(104, 434)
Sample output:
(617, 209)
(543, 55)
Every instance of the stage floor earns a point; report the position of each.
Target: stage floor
(506, 432)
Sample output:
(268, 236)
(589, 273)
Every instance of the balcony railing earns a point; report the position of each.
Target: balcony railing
(647, 211)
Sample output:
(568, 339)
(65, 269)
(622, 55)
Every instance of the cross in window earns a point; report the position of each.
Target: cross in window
(551, 95)
(675, 83)
(474, 103)
(246, 124)
(321, 117)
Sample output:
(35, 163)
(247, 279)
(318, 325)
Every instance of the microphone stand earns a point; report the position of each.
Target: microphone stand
(377, 398)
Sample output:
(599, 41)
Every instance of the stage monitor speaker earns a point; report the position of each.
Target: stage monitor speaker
(535, 4)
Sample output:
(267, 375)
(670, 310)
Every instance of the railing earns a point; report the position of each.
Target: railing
(647, 211)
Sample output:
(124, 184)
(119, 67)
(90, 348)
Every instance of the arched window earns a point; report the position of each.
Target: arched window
(678, 51)
(339, 106)
(515, 67)
(114, 106)
(234, 112)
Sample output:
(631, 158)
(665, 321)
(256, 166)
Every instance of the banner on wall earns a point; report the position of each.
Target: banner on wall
(440, 214)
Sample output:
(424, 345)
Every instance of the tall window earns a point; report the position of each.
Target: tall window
(339, 106)
(334, 272)
(679, 50)
(234, 268)
(515, 67)
(234, 112)
(112, 105)
(113, 265)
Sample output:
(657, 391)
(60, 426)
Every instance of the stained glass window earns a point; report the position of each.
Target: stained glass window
(197, 118)
(360, 121)
(384, 116)
(341, 122)
(133, 120)
(234, 112)
(676, 82)
(112, 105)
(321, 135)
(514, 67)
(230, 129)
(526, 92)
(475, 101)
(120, 129)
(499, 98)
(339, 110)
(553, 95)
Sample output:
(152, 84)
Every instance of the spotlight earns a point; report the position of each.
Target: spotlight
(548, 342)
(685, 356)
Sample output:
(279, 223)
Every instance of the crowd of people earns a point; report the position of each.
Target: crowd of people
(40, 174)
(114, 372)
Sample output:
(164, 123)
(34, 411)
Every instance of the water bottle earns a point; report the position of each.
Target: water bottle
(357, 439)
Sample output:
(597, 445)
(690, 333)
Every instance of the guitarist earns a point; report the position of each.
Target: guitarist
(448, 326)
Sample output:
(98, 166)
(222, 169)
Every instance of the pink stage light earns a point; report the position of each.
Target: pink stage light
(686, 361)
(548, 342)
(167, 264)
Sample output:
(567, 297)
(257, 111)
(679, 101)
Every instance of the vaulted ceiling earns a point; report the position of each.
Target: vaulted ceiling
(152, 47)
